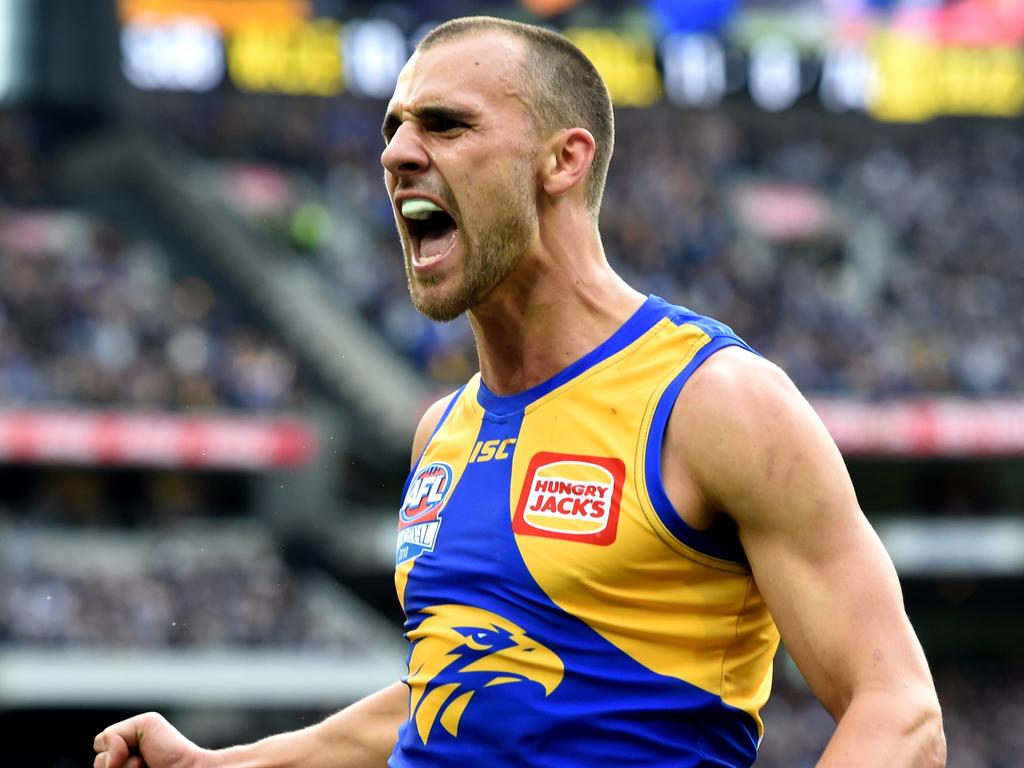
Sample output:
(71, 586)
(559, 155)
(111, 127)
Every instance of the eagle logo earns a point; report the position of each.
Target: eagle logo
(457, 650)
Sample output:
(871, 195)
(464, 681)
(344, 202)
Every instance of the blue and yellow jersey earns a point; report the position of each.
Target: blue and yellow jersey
(559, 611)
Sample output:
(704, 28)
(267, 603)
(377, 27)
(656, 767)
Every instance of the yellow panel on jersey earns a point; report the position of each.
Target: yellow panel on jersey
(697, 617)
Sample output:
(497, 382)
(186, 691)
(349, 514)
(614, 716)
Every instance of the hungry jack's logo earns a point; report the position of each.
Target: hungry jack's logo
(420, 517)
(572, 497)
(457, 650)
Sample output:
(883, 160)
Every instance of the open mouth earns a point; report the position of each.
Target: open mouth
(432, 229)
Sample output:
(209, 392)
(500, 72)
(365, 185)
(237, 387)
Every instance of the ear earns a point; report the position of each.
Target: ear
(567, 160)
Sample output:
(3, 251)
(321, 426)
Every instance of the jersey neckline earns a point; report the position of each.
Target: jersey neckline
(647, 314)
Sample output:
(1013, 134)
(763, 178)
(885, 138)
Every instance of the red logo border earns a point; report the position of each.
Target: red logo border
(602, 538)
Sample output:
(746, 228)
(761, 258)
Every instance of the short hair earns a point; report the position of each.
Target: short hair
(561, 82)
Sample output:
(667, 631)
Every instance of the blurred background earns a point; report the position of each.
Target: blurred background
(210, 370)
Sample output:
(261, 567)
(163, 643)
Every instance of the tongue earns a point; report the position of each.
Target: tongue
(437, 243)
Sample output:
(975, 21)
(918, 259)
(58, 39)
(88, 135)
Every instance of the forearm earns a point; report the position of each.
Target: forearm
(360, 736)
(882, 730)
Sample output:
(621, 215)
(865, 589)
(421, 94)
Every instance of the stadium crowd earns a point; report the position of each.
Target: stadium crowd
(929, 309)
(169, 593)
(90, 317)
(907, 287)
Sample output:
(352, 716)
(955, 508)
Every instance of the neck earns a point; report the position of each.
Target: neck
(560, 303)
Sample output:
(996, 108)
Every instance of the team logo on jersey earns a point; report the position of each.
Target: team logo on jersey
(457, 650)
(420, 516)
(571, 497)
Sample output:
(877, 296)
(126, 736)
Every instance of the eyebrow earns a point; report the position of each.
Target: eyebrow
(427, 113)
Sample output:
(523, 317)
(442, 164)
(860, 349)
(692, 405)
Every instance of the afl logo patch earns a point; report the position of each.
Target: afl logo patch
(420, 516)
(572, 497)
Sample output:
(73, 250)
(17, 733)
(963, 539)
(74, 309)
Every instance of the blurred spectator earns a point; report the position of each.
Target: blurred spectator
(22, 175)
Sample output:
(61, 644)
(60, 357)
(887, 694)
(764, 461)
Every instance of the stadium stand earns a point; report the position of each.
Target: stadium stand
(73, 588)
(92, 317)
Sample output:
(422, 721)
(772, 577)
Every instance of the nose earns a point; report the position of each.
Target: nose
(404, 155)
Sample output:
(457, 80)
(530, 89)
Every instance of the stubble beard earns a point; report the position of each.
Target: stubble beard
(489, 255)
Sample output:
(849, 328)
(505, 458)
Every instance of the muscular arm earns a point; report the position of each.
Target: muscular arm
(753, 448)
(360, 736)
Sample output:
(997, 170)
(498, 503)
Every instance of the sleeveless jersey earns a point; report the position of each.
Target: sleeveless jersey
(560, 613)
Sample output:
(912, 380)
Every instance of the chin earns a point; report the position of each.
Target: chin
(441, 309)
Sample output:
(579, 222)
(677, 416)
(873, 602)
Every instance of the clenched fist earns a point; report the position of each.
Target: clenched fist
(145, 741)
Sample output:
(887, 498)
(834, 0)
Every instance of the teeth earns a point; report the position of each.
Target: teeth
(418, 208)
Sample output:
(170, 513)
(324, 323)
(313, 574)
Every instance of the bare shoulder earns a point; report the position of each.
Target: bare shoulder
(736, 393)
(744, 434)
(737, 377)
(428, 423)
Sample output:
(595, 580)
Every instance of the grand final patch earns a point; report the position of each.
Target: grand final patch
(572, 497)
(420, 517)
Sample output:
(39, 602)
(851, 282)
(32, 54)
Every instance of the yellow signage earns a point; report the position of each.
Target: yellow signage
(626, 62)
(292, 58)
(917, 80)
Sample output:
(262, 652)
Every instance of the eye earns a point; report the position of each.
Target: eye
(445, 125)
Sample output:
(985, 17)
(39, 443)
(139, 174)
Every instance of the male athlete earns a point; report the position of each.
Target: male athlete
(603, 529)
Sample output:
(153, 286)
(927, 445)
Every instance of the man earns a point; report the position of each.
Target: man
(597, 525)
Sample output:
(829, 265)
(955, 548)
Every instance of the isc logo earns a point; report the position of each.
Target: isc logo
(485, 450)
